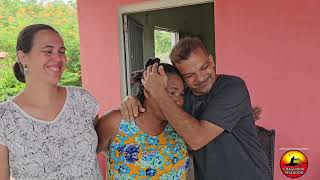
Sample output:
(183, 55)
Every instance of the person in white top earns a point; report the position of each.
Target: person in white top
(47, 131)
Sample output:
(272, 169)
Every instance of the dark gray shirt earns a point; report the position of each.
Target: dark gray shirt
(236, 153)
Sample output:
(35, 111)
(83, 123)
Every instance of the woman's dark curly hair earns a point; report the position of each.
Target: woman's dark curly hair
(137, 76)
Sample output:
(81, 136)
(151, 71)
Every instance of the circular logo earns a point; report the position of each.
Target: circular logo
(294, 164)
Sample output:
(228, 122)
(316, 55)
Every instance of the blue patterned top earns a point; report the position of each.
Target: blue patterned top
(134, 154)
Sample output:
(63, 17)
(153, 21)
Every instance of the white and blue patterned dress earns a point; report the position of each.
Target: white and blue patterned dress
(64, 148)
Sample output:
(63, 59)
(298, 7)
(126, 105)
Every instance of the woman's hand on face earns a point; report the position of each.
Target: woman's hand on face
(130, 108)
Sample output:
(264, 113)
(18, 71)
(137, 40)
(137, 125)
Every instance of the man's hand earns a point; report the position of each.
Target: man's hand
(257, 111)
(155, 80)
(130, 108)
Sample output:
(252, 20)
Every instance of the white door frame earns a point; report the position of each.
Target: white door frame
(142, 7)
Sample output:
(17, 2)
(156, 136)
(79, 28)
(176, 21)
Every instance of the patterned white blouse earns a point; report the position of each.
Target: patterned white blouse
(64, 148)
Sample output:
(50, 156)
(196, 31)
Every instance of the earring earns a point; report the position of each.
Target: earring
(25, 70)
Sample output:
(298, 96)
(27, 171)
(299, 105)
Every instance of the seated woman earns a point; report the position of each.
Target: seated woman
(148, 147)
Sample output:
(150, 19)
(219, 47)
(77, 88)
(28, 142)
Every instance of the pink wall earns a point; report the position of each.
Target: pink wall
(99, 44)
(271, 44)
(98, 23)
(274, 45)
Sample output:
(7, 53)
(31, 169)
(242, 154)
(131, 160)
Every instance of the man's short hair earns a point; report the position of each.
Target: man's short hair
(183, 49)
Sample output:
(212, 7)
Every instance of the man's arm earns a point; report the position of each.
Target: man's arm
(184, 127)
(196, 133)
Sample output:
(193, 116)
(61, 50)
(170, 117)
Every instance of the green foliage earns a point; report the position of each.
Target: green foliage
(9, 86)
(162, 41)
(16, 14)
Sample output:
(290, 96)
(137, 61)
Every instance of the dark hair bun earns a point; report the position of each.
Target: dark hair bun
(18, 73)
(152, 61)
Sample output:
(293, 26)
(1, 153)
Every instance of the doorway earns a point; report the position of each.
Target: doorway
(151, 29)
(180, 19)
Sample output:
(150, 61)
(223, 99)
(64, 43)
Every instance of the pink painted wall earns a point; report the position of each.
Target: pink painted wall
(100, 57)
(98, 23)
(271, 44)
(274, 46)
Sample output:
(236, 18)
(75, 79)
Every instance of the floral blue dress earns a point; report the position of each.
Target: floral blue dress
(134, 154)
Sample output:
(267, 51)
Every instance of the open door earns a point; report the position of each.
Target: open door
(133, 41)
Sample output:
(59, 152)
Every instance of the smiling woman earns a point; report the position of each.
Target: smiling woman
(62, 15)
(47, 131)
(47, 46)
